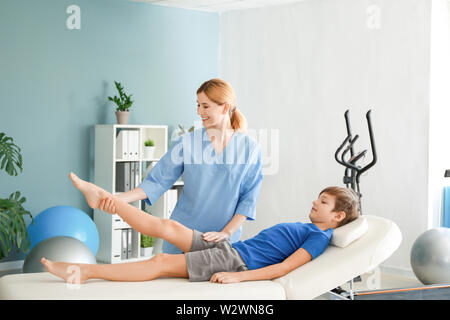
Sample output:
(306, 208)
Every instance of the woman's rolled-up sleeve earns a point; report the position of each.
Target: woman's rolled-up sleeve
(250, 187)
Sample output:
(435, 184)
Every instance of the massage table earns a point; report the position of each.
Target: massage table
(355, 249)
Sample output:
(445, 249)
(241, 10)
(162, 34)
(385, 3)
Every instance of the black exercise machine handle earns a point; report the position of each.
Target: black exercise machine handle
(349, 129)
(339, 150)
(350, 141)
(350, 148)
(372, 145)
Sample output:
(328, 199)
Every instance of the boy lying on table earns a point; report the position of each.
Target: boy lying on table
(270, 254)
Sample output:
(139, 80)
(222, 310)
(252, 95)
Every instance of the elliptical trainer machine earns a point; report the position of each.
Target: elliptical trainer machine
(353, 171)
(352, 174)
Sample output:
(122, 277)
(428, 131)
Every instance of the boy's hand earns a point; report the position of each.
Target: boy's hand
(215, 236)
(226, 277)
(107, 205)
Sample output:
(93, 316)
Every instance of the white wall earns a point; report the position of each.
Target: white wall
(439, 149)
(298, 67)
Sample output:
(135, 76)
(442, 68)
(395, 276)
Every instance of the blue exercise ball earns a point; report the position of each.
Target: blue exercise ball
(64, 221)
(59, 249)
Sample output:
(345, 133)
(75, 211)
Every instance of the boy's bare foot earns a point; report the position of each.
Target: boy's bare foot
(93, 194)
(70, 272)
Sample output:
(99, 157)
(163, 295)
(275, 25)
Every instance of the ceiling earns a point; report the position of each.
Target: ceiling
(217, 5)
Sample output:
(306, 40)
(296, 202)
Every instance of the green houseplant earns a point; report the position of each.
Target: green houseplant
(13, 230)
(149, 149)
(146, 245)
(123, 102)
(149, 143)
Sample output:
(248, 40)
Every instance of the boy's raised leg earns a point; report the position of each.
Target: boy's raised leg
(139, 220)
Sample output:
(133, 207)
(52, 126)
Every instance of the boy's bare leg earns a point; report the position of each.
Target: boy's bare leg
(166, 229)
(169, 230)
(162, 265)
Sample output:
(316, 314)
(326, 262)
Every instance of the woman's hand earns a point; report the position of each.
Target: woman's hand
(215, 236)
(226, 277)
(107, 205)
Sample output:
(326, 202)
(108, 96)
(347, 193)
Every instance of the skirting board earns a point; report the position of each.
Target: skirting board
(397, 271)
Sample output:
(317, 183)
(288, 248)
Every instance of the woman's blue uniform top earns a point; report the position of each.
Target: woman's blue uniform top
(216, 186)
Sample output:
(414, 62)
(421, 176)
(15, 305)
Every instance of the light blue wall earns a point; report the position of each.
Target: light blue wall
(54, 82)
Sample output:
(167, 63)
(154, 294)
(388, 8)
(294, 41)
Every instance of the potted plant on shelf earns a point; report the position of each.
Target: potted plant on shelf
(149, 149)
(123, 103)
(146, 245)
(13, 230)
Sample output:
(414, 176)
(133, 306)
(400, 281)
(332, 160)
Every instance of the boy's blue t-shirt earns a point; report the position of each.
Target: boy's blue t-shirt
(275, 244)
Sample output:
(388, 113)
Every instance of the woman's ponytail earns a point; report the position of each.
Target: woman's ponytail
(238, 121)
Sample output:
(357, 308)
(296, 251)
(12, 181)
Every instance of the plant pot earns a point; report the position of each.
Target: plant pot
(146, 252)
(122, 117)
(149, 152)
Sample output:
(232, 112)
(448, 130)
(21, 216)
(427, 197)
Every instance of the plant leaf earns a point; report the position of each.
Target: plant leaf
(12, 225)
(10, 155)
(5, 232)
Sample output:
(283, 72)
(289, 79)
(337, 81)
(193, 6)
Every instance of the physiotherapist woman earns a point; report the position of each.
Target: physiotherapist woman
(221, 167)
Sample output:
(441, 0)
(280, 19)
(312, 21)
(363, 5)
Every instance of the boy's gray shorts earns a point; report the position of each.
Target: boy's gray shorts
(206, 258)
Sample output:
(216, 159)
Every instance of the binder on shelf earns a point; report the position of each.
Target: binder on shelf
(133, 143)
(120, 177)
(129, 243)
(123, 176)
(137, 144)
(122, 145)
(132, 175)
(124, 250)
(137, 175)
(127, 176)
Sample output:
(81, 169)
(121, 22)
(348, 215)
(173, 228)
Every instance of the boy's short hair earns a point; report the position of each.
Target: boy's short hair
(346, 200)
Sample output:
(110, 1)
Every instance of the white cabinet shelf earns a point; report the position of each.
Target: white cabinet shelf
(136, 159)
(105, 175)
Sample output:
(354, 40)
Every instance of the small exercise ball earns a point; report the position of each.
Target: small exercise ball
(64, 221)
(60, 249)
(430, 256)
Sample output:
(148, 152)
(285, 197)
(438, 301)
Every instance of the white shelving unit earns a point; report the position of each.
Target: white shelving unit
(110, 226)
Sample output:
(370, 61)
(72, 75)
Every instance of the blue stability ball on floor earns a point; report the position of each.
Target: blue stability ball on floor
(64, 221)
(60, 249)
(430, 256)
